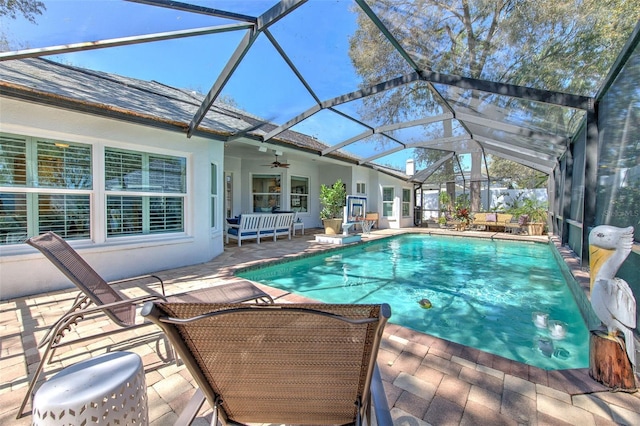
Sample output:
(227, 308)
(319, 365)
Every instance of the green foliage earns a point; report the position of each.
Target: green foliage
(532, 209)
(445, 200)
(11, 9)
(562, 46)
(463, 201)
(546, 44)
(27, 8)
(514, 175)
(332, 199)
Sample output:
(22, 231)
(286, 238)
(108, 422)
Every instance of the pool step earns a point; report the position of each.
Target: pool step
(338, 239)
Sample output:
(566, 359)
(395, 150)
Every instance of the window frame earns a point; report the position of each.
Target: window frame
(70, 206)
(268, 195)
(148, 196)
(386, 203)
(406, 203)
(215, 196)
(299, 195)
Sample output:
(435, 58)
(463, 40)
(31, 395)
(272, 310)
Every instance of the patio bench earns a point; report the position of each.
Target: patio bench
(260, 225)
(492, 221)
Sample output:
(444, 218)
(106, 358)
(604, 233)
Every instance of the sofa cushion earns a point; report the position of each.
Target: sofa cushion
(234, 231)
(491, 217)
(504, 217)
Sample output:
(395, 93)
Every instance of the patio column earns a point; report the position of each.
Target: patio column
(590, 180)
(449, 169)
(476, 178)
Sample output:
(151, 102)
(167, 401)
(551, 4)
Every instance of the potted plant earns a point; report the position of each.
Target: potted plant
(462, 214)
(531, 214)
(332, 200)
(464, 218)
(442, 220)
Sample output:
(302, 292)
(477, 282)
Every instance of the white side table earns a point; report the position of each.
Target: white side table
(107, 389)
(298, 225)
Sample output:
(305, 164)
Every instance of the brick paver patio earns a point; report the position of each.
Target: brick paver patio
(427, 380)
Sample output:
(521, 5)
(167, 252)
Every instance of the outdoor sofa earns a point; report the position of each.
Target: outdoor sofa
(256, 226)
(492, 221)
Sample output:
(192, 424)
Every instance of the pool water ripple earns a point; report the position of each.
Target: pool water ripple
(483, 293)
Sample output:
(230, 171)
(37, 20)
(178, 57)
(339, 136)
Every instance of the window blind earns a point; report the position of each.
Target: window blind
(13, 164)
(67, 215)
(64, 165)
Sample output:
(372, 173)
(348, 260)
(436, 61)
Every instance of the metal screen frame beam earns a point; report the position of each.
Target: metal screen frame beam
(424, 174)
(270, 17)
(452, 140)
(517, 149)
(383, 129)
(512, 128)
(342, 99)
(590, 180)
(289, 62)
(120, 41)
(233, 63)
(203, 10)
(510, 90)
(414, 123)
(536, 165)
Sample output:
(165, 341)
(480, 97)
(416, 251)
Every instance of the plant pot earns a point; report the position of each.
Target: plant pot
(535, 228)
(332, 226)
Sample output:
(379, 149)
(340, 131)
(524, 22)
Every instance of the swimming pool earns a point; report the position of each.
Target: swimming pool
(502, 297)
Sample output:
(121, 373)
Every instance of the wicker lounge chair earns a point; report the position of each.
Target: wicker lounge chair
(97, 297)
(281, 363)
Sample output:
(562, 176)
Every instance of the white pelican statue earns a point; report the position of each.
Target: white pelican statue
(611, 297)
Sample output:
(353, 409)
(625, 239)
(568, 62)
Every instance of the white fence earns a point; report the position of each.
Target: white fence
(500, 198)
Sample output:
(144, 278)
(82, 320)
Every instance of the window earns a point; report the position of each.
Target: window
(145, 192)
(44, 186)
(266, 193)
(361, 188)
(388, 194)
(228, 194)
(406, 202)
(299, 194)
(214, 194)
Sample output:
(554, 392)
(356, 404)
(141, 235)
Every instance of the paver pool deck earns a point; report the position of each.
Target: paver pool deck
(428, 380)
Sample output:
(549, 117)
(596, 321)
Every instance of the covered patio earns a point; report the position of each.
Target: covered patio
(427, 380)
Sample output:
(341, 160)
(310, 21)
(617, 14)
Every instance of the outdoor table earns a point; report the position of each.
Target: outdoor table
(107, 389)
(298, 225)
(513, 227)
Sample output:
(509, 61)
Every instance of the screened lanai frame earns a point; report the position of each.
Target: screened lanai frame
(492, 118)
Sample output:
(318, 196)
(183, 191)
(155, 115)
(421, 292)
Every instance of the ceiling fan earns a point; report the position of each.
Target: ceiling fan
(277, 164)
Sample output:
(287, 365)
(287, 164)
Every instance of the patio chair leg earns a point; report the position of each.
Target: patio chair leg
(171, 354)
(191, 410)
(45, 359)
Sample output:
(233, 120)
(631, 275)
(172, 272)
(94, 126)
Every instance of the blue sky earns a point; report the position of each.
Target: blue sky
(195, 62)
(317, 42)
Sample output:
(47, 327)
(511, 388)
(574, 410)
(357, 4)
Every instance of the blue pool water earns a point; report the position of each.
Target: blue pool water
(483, 293)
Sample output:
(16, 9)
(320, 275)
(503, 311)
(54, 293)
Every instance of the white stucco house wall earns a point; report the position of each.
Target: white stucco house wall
(104, 161)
